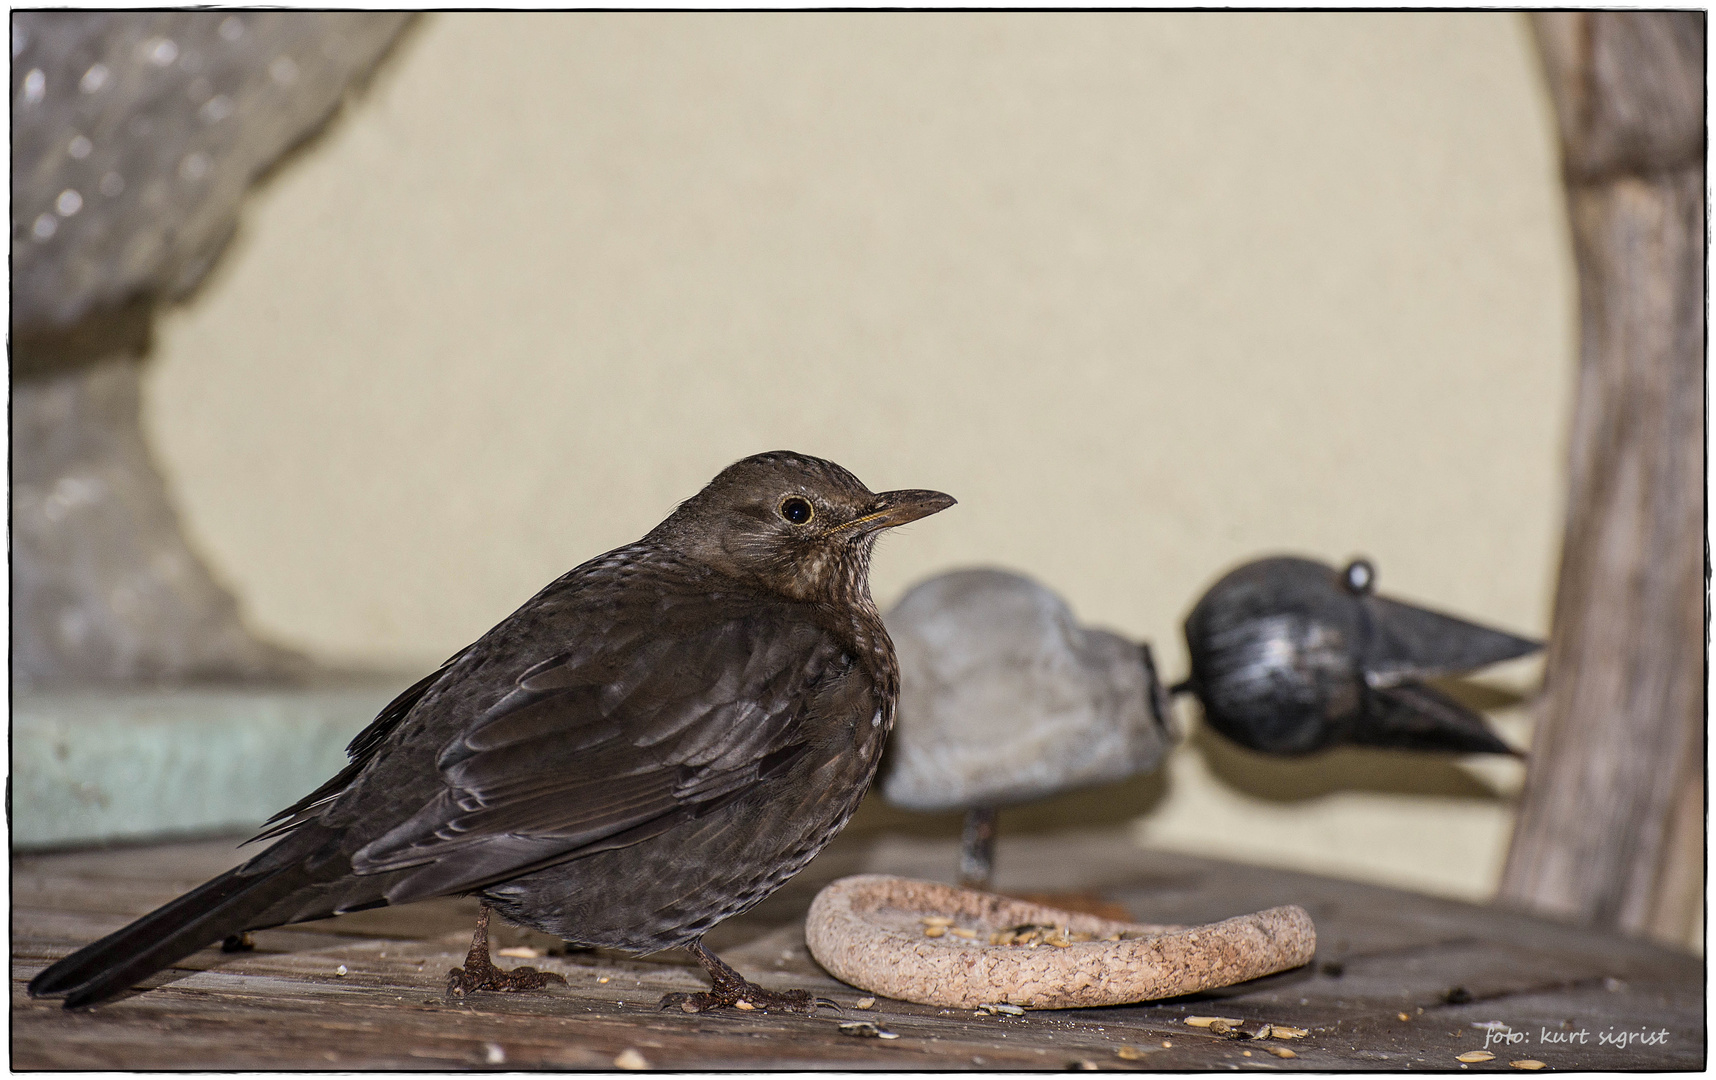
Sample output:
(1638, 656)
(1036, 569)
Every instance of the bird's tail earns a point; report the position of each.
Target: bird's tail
(227, 905)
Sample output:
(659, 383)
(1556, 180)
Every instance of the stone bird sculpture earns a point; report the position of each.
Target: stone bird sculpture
(652, 744)
(1290, 656)
(1005, 698)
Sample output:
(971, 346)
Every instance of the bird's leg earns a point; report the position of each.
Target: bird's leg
(479, 973)
(977, 848)
(733, 990)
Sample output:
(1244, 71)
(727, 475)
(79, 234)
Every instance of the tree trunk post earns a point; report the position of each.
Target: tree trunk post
(1610, 830)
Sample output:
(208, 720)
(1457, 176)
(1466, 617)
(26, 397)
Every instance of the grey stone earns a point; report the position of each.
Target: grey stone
(104, 587)
(1004, 697)
(134, 138)
(136, 134)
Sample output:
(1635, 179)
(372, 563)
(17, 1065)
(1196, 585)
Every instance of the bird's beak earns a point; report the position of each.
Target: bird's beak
(893, 508)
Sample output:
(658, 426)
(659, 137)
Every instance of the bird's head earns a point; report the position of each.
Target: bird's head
(798, 525)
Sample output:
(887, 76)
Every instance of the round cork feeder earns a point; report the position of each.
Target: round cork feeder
(869, 930)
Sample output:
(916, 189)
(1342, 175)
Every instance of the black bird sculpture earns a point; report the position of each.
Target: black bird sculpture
(653, 743)
(1291, 656)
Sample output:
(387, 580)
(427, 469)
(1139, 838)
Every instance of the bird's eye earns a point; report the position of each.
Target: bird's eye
(797, 510)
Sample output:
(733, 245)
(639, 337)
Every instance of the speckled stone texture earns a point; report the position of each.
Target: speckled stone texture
(867, 930)
(134, 138)
(1004, 697)
(135, 135)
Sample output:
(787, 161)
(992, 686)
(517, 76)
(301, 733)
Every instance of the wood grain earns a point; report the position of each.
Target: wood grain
(1446, 966)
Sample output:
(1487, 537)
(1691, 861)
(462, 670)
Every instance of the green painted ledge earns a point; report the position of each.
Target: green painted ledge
(99, 767)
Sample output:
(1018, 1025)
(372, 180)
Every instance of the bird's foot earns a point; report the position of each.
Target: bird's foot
(746, 996)
(733, 991)
(483, 975)
(480, 973)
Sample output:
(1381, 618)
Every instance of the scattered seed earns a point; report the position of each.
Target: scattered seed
(341, 970)
(934, 931)
(1245, 1053)
(861, 1029)
(745, 1005)
(1474, 1056)
(631, 1059)
(496, 1053)
(1404, 1016)
(1278, 1031)
(1166, 1045)
(1206, 1021)
(521, 952)
(936, 920)
(1001, 1007)
(864, 1003)
(1129, 1053)
(960, 931)
(1082, 1064)
(603, 979)
(886, 1035)
(1262, 1032)
(1282, 1052)
(1528, 1063)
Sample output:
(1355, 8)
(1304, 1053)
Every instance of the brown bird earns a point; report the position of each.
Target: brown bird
(653, 743)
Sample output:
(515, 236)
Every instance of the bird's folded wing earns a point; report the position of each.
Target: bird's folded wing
(614, 740)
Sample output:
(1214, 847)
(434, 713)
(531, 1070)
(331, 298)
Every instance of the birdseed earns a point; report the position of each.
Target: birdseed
(1472, 1057)
(1528, 1064)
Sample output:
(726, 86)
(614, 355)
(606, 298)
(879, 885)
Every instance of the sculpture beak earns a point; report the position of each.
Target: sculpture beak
(1408, 641)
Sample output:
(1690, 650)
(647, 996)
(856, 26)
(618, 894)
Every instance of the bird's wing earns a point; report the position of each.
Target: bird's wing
(658, 718)
(363, 747)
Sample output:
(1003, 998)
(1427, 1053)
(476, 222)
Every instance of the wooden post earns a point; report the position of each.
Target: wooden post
(1611, 825)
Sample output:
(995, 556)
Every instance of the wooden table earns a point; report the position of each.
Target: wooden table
(1400, 981)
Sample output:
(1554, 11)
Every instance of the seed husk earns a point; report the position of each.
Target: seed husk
(1206, 1021)
(1472, 1057)
(1528, 1064)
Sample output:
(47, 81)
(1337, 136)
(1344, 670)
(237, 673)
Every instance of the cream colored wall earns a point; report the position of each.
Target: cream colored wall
(1150, 294)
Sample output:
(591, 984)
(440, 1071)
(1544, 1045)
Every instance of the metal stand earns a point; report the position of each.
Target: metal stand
(977, 848)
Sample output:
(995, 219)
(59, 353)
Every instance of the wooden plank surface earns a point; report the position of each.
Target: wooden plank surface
(1449, 968)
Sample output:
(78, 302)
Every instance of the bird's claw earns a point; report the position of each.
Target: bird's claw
(461, 981)
(747, 998)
